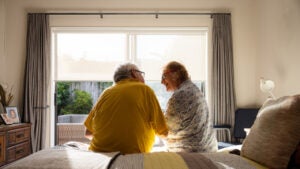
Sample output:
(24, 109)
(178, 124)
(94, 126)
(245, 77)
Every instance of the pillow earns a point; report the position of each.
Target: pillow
(275, 133)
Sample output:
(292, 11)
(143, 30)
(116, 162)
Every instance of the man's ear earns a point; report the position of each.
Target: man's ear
(133, 74)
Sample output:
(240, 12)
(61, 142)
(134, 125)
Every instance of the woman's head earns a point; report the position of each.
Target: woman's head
(174, 73)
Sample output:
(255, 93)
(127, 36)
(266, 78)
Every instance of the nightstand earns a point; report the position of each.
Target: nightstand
(14, 142)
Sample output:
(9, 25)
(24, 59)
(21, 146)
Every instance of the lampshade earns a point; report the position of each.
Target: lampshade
(267, 86)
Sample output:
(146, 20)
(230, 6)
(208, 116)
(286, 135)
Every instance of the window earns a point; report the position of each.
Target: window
(85, 59)
(91, 55)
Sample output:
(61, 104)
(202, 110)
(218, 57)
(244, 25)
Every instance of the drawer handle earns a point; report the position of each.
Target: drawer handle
(20, 135)
(19, 151)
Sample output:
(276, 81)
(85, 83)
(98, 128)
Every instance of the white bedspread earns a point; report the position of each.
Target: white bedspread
(76, 156)
(67, 158)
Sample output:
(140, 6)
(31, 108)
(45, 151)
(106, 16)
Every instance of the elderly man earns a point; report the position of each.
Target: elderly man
(126, 116)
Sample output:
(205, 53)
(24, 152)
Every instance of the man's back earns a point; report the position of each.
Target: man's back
(124, 119)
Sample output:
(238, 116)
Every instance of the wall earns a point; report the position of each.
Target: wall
(278, 45)
(243, 35)
(266, 38)
(2, 54)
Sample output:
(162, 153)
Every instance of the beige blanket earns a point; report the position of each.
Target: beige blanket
(70, 157)
(64, 158)
(163, 160)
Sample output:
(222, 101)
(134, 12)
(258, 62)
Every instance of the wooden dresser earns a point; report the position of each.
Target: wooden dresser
(14, 142)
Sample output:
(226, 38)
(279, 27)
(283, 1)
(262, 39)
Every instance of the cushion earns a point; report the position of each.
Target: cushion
(275, 133)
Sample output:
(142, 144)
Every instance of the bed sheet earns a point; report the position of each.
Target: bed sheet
(76, 156)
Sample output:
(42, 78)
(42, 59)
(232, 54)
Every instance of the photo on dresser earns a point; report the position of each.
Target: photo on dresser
(12, 114)
(6, 119)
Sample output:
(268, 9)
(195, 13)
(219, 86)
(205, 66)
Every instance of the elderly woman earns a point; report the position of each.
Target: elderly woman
(187, 115)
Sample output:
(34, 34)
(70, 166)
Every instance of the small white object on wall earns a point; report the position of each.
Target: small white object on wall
(267, 86)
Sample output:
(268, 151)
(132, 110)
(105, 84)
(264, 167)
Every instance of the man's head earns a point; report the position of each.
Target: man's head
(128, 71)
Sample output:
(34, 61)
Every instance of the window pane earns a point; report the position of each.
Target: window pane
(78, 97)
(89, 56)
(154, 51)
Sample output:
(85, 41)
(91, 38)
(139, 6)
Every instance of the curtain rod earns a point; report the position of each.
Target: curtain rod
(134, 13)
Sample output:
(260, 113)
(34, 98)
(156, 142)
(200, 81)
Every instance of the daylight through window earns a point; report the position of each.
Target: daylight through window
(85, 59)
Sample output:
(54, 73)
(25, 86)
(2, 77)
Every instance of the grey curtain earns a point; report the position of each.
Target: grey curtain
(223, 93)
(37, 77)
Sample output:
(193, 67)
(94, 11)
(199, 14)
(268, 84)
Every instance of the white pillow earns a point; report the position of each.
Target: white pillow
(275, 133)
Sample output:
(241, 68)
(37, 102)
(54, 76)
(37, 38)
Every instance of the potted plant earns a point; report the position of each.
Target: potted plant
(5, 98)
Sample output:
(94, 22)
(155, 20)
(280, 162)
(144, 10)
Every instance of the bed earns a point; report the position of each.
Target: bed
(271, 143)
(74, 155)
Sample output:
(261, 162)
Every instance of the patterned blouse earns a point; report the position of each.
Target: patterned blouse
(187, 116)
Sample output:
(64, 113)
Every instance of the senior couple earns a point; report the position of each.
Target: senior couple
(127, 116)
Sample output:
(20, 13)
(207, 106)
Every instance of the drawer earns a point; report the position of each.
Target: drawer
(18, 135)
(18, 151)
(2, 148)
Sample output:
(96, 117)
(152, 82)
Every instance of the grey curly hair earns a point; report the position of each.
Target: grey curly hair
(123, 71)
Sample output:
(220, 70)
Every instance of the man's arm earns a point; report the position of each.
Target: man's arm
(88, 134)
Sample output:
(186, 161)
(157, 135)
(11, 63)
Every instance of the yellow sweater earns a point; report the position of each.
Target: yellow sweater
(126, 118)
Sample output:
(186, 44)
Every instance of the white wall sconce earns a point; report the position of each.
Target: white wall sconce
(267, 86)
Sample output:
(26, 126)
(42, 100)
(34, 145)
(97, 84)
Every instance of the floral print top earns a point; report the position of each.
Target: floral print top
(188, 120)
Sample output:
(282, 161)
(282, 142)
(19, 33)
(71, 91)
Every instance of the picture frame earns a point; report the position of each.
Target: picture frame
(5, 119)
(12, 114)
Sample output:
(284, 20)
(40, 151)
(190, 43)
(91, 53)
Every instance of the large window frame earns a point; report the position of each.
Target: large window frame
(132, 33)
